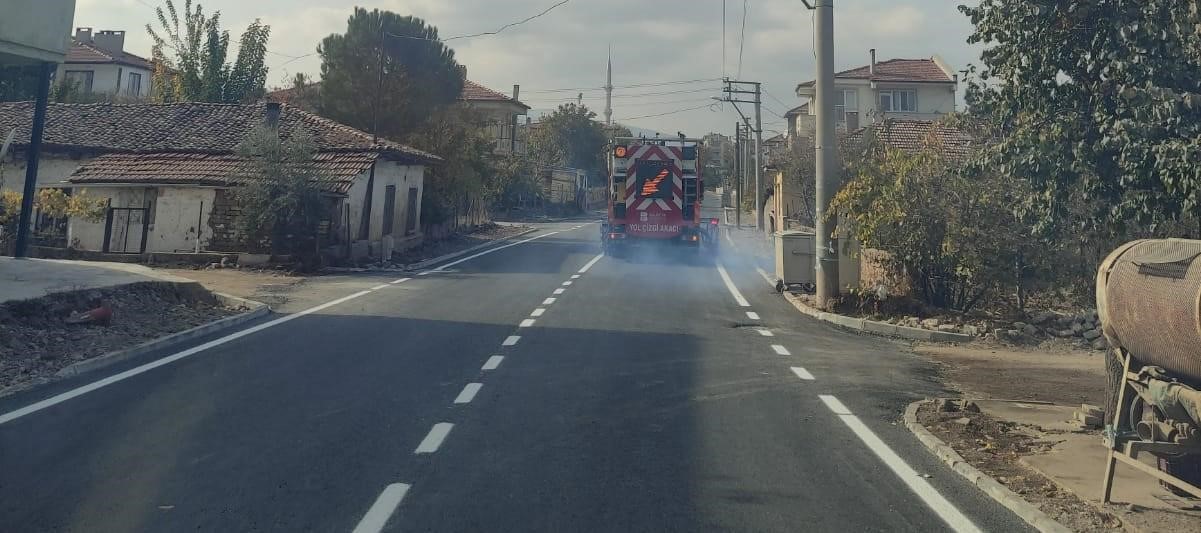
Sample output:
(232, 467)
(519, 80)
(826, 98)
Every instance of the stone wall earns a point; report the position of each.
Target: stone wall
(876, 272)
(223, 223)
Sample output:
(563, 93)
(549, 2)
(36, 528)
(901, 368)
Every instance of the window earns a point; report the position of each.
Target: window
(845, 101)
(389, 209)
(411, 212)
(134, 84)
(80, 78)
(898, 101)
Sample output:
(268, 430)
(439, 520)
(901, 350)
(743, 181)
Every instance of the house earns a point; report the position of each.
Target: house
(98, 63)
(167, 172)
(793, 117)
(499, 111)
(921, 89)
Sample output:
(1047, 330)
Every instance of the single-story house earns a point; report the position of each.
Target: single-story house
(166, 172)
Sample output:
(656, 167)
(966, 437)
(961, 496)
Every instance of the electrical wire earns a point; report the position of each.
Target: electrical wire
(483, 33)
(723, 38)
(741, 40)
(632, 86)
(710, 106)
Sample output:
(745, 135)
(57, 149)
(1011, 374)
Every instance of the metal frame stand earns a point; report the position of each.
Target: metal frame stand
(1125, 446)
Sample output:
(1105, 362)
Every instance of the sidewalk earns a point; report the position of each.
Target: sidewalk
(22, 279)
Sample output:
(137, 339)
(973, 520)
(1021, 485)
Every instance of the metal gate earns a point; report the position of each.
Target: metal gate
(120, 223)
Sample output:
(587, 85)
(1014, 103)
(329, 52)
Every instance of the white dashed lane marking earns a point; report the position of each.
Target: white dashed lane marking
(548, 301)
(589, 264)
(560, 291)
(766, 332)
(567, 283)
(575, 276)
(468, 393)
(526, 323)
(433, 440)
(379, 513)
(780, 349)
(492, 362)
(802, 373)
(511, 340)
(752, 315)
(538, 312)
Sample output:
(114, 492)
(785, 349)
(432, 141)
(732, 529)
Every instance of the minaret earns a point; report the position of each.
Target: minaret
(609, 90)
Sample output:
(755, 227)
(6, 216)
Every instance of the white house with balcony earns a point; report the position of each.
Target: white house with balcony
(909, 89)
(97, 62)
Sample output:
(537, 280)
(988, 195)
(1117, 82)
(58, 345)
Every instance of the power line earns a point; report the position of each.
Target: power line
(627, 104)
(632, 86)
(723, 38)
(773, 97)
(741, 39)
(623, 96)
(511, 24)
(671, 112)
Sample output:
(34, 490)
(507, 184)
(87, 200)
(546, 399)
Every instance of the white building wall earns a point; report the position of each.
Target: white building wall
(52, 170)
(105, 77)
(386, 173)
(179, 213)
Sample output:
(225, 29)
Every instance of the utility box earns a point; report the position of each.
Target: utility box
(795, 251)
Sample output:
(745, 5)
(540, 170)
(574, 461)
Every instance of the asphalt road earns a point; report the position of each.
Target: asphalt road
(643, 397)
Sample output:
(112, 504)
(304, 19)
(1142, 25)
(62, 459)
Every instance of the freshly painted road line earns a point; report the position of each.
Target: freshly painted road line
(490, 250)
(765, 276)
(492, 362)
(729, 240)
(922, 488)
(380, 286)
(379, 513)
(511, 340)
(433, 439)
(115, 378)
(575, 276)
(589, 264)
(802, 373)
(526, 323)
(426, 273)
(752, 315)
(766, 332)
(834, 405)
(468, 393)
(538, 312)
(567, 283)
(560, 291)
(549, 301)
(780, 349)
(725, 276)
(401, 280)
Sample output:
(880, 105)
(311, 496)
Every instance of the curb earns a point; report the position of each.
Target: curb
(874, 327)
(257, 309)
(998, 492)
(426, 263)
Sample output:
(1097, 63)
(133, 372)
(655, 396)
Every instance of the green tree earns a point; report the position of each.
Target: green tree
(199, 70)
(457, 135)
(571, 137)
(279, 195)
(419, 75)
(1098, 106)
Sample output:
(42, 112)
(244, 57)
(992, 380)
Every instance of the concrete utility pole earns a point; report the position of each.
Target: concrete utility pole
(825, 157)
(738, 175)
(759, 192)
(732, 89)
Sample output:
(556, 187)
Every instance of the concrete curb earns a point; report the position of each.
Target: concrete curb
(257, 309)
(428, 262)
(998, 492)
(874, 327)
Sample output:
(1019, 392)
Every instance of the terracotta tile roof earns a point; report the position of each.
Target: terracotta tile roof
(802, 109)
(185, 127)
(338, 169)
(81, 52)
(473, 91)
(901, 70)
(915, 135)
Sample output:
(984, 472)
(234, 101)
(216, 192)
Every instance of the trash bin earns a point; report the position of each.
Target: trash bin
(794, 257)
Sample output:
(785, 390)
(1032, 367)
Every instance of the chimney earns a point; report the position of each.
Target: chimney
(462, 72)
(83, 35)
(110, 41)
(516, 90)
(871, 69)
(271, 120)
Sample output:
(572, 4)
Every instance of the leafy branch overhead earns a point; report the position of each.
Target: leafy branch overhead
(190, 60)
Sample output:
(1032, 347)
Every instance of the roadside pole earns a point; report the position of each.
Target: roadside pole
(32, 155)
(826, 164)
(738, 175)
(758, 161)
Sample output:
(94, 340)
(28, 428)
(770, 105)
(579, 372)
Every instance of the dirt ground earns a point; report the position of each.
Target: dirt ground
(484, 234)
(269, 287)
(1061, 375)
(37, 340)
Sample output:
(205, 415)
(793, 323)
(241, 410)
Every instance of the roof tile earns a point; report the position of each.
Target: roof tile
(81, 52)
(337, 169)
(900, 70)
(915, 135)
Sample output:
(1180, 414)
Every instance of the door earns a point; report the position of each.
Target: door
(389, 209)
(125, 230)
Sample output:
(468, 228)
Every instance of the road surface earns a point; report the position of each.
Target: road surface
(535, 387)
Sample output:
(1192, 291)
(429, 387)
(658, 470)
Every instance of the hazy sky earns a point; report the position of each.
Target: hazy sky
(652, 41)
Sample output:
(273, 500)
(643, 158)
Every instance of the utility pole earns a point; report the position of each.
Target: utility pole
(32, 155)
(738, 175)
(826, 165)
(734, 94)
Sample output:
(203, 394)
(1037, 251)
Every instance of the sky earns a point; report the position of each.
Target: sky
(653, 42)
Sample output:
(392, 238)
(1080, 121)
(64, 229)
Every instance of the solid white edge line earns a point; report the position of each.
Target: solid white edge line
(538, 312)
(468, 393)
(385, 504)
(766, 332)
(802, 373)
(924, 490)
(493, 362)
(433, 439)
(765, 277)
(526, 323)
(490, 250)
(725, 276)
(401, 280)
(380, 286)
(780, 349)
(426, 273)
(80, 391)
(549, 301)
(589, 264)
(752, 315)
(567, 283)
(511, 340)
(834, 405)
(560, 291)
